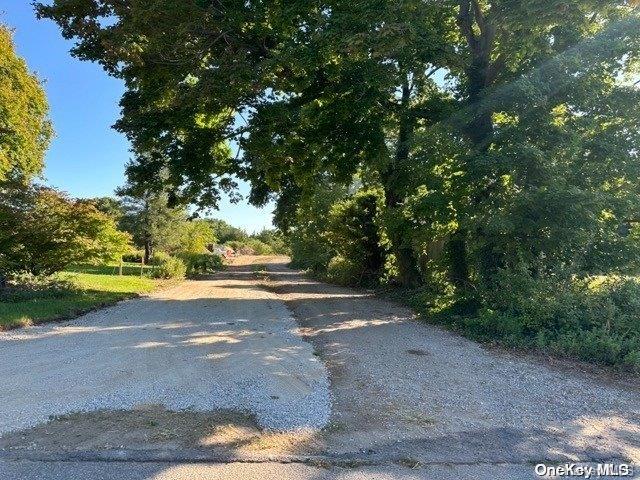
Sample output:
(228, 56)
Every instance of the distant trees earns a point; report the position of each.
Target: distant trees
(25, 129)
(224, 232)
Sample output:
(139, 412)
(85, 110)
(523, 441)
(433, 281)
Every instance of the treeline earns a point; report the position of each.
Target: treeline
(156, 227)
(482, 153)
(43, 231)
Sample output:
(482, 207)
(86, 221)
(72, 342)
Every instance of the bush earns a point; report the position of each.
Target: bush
(355, 236)
(133, 257)
(259, 247)
(343, 271)
(594, 319)
(42, 231)
(202, 263)
(166, 266)
(24, 286)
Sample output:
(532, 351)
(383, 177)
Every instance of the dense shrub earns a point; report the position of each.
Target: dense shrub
(276, 241)
(343, 271)
(166, 266)
(133, 257)
(250, 246)
(202, 263)
(24, 286)
(259, 247)
(594, 319)
(354, 234)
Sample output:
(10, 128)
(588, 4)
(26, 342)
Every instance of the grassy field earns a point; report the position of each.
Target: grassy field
(84, 288)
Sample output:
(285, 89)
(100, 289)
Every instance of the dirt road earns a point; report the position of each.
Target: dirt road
(279, 376)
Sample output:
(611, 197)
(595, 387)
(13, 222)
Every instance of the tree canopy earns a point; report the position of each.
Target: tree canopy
(505, 131)
(25, 129)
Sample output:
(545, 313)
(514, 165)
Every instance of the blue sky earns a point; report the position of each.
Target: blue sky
(87, 157)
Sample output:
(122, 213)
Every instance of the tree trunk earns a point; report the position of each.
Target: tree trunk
(481, 72)
(148, 251)
(459, 267)
(407, 263)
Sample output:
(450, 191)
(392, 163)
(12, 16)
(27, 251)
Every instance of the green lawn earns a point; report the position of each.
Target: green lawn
(90, 288)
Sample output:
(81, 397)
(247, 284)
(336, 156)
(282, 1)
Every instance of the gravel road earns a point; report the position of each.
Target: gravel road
(353, 380)
(205, 345)
(404, 387)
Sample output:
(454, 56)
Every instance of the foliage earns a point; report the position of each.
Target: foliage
(226, 233)
(258, 247)
(355, 236)
(275, 239)
(310, 247)
(593, 318)
(267, 242)
(42, 231)
(202, 263)
(501, 139)
(168, 267)
(25, 129)
(110, 206)
(343, 271)
(196, 236)
(134, 256)
(152, 224)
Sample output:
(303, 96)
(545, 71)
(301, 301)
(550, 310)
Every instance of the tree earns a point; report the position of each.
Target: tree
(225, 232)
(520, 63)
(25, 129)
(112, 207)
(321, 89)
(151, 222)
(196, 236)
(42, 231)
(534, 116)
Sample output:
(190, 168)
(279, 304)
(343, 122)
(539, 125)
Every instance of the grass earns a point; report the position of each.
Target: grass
(78, 290)
(128, 269)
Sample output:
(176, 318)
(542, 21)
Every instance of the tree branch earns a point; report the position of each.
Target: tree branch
(465, 23)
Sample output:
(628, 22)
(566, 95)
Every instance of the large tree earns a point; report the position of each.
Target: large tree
(549, 125)
(306, 89)
(25, 130)
(531, 112)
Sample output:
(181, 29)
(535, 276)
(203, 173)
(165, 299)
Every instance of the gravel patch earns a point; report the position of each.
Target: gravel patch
(205, 345)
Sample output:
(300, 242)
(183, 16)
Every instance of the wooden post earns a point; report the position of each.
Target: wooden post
(142, 267)
(120, 268)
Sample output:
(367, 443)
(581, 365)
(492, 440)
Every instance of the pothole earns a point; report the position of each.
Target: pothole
(418, 352)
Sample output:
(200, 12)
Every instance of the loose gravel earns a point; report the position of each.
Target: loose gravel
(205, 345)
(400, 385)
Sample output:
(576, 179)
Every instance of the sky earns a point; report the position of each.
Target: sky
(87, 157)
